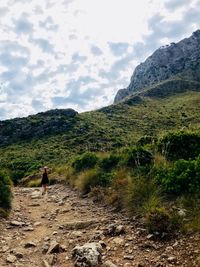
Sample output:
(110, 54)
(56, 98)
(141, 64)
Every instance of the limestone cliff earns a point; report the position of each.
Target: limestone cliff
(180, 60)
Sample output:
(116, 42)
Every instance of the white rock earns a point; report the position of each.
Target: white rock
(89, 254)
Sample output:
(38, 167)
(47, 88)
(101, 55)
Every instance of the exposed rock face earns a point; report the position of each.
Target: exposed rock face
(180, 59)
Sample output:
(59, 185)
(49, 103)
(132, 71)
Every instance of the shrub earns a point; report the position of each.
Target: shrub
(109, 162)
(158, 220)
(180, 145)
(136, 157)
(5, 191)
(162, 221)
(34, 183)
(92, 178)
(142, 195)
(117, 193)
(86, 161)
(183, 177)
(145, 140)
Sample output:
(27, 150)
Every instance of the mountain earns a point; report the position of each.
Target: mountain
(178, 60)
(169, 100)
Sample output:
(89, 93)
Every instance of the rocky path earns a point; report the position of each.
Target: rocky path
(43, 231)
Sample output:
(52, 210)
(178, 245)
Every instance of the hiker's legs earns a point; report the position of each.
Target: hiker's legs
(45, 188)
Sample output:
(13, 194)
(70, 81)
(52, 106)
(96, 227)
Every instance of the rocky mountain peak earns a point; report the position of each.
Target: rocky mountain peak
(180, 59)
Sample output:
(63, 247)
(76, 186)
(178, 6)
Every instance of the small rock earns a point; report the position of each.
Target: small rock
(127, 265)
(11, 259)
(54, 247)
(18, 253)
(119, 230)
(150, 236)
(37, 223)
(118, 241)
(77, 233)
(128, 257)
(45, 263)
(16, 223)
(28, 229)
(29, 244)
(5, 248)
(171, 259)
(45, 247)
(109, 264)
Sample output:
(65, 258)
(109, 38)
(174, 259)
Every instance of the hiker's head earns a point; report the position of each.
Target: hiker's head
(45, 168)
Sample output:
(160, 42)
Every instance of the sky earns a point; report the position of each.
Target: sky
(79, 53)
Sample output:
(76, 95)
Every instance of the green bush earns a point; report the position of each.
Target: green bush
(136, 157)
(85, 161)
(109, 162)
(5, 191)
(92, 178)
(162, 221)
(181, 178)
(158, 220)
(142, 195)
(180, 145)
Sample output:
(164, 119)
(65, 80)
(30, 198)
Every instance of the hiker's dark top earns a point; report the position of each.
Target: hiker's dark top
(45, 179)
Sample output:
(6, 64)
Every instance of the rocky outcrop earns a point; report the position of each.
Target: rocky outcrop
(180, 60)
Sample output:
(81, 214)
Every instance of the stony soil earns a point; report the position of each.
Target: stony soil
(64, 217)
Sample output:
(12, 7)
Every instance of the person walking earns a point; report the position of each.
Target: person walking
(45, 180)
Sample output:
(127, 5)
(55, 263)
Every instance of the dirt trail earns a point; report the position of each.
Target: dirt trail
(36, 220)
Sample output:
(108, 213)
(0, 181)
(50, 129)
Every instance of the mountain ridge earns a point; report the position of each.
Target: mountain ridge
(180, 59)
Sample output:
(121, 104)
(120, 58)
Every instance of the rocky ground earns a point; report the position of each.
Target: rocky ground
(44, 230)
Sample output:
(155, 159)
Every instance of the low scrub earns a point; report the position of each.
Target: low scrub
(84, 162)
(142, 195)
(180, 145)
(159, 220)
(92, 178)
(182, 177)
(5, 193)
(133, 157)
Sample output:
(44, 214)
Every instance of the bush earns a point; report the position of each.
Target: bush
(109, 162)
(142, 195)
(5, 192)
(162, 221)
(92, 178)
(86, 161)
(116, 194)
(182, 178)
(180, 145)
(136, 157)
(145, 140)
(158, 220)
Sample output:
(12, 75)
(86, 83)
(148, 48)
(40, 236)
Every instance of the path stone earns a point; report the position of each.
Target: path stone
(30, 244)
(55, 247)
(16, 223)
(88, 255)
(109, 264)
(11, 259)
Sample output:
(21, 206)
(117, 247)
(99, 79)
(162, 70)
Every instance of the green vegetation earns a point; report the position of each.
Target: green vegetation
(141, 155)
(5, 194)
(145, 183)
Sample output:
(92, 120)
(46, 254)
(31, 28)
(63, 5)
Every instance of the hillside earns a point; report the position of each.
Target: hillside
(103, 130)
(179, 60)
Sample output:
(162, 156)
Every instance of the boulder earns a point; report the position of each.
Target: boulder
(88, 255)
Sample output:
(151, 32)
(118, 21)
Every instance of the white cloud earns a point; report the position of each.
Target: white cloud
(75, 53)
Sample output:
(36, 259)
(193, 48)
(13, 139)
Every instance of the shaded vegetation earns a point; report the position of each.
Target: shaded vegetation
(5, 194)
